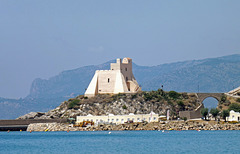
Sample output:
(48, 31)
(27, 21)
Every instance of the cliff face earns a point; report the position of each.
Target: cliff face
(140, 103)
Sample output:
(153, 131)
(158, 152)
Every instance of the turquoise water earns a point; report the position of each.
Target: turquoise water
(121, 142)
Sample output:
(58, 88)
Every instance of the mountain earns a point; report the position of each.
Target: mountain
(208, 75)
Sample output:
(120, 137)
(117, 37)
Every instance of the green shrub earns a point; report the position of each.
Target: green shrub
(124, 107)
(160, 92)
(184, 118)
(134, 96)
(181, 105)
(238, 100)
(148, 97)
(223, 98)
(73, 103)
(174, 94)
(235, 107)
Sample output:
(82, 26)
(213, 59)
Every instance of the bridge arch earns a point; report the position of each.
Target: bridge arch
(197, 112)
(203, 96)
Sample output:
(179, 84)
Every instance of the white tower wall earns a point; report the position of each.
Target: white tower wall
(119, 79)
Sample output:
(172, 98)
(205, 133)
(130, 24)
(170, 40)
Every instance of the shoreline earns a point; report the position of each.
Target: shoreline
(176, 125)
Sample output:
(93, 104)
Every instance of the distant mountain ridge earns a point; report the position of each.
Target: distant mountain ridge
(208, 75)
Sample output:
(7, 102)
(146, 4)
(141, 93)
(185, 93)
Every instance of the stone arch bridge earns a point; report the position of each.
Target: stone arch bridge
(197, 112)
(203, 96)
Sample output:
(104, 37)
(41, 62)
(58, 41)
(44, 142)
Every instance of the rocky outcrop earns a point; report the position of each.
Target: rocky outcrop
(180, 125)
(141, 103)
(32, 115)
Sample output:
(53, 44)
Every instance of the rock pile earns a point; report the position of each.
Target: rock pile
(174, 125)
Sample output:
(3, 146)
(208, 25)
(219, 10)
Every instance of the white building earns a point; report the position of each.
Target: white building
(233, 116)
(234, 92)
(119, 79)
(119, 119)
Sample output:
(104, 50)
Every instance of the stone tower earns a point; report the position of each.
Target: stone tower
(119, 79)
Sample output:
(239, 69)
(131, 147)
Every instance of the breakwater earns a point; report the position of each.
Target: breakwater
(16, 125)
(173, 125)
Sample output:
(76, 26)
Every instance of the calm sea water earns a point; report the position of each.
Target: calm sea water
(121, 142)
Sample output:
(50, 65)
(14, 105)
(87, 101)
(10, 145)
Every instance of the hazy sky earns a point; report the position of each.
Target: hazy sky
(41, 38)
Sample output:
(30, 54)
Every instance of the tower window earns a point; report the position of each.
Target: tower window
(125, 69)
(126, 78)
(108, 80)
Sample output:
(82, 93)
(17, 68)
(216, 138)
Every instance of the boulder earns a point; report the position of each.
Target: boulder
(32, 115)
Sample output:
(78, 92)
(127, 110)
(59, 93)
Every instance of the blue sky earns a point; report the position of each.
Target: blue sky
(41, 38)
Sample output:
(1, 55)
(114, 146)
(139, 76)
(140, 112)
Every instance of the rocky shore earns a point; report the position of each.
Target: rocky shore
(173, 125)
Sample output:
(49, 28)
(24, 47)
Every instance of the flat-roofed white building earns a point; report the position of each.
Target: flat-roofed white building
(119, 79)
(234, 92)
(233, 116)
(119, 119)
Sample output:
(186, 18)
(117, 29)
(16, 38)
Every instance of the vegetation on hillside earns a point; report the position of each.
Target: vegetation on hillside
(229, 103)
(235, 107)
(158, 101)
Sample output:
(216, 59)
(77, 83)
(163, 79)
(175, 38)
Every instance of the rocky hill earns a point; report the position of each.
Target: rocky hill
(207, 75)
(141, 103)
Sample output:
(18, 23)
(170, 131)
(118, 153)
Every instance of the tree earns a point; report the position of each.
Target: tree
(214, 113)
(225, 114)
(204, 112)
(235, 107)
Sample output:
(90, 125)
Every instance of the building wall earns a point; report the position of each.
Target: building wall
(192, 114)
(106, 81)
(119, 119)
(126, 69)
(117, 65)
(119, 79)
(233, 116)
(92, 89)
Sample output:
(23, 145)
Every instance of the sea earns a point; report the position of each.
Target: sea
(124, 142)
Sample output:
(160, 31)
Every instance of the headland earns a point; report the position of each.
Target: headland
(140, 103)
